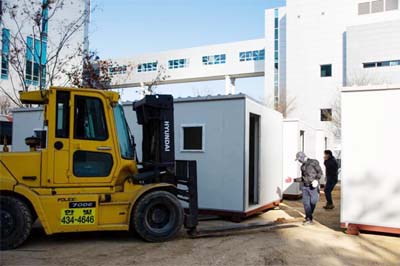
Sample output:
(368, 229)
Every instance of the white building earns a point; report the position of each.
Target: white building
(62, 22)
(311, 48)
(327, 44)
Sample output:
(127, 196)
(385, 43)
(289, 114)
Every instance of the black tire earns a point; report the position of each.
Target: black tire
(157, 217)
(15, 222)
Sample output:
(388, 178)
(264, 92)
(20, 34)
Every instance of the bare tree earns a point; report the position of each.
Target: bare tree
(93, 73)
(286, 105)
(336, 116)
(51, 56)
(5, 105)
(150, 87)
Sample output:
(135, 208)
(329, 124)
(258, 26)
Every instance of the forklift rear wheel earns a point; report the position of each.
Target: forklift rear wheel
(15, 222)
(158, 216)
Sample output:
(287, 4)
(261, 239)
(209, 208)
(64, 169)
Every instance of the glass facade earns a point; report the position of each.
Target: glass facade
(382, 64)
(45, 19)
(276, 58)
(147, 67)
(214, 59)
(5, 50)
(178, 63)
(36, 55)
(252, 55)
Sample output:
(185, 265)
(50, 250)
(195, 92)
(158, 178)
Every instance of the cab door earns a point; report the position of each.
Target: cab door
(61, 141)
(91, 146)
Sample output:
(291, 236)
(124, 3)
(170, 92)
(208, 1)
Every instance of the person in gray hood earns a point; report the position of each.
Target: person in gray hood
(311, 173)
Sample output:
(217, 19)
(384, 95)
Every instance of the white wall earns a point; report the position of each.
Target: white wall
(314, 37)
(221, 165)
(373, 43)
(271, 156)
(370, 145)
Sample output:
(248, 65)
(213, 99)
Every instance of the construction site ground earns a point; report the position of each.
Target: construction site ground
(323, 243)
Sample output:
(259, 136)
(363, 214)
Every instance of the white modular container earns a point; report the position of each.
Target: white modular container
(370, 158)
(239, 161)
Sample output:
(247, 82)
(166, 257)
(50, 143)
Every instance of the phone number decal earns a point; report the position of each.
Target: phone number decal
(76, 216)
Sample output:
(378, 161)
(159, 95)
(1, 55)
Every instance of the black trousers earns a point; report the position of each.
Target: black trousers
(329, 186)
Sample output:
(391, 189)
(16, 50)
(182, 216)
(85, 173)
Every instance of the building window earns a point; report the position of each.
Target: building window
(252, 55)
(192, 138)
(369, 65)
(302, 137)
(377, 6)
(178, 63)
(382, 64)
(326, 114)
(276, 58)
(117, 70)
(392, 5)
(326, 70)
(36, 55)
(147, 67)
(364, 8)
(214, 59)
(5, 50)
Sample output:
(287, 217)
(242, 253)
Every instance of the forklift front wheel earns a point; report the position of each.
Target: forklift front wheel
(15, 222)
(158, 216)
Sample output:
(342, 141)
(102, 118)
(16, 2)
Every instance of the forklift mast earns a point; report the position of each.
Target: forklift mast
(155, 113)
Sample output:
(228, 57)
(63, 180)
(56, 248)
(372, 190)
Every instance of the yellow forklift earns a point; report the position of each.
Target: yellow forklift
(82, 172)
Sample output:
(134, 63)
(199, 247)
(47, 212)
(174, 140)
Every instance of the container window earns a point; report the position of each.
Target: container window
(193, 138)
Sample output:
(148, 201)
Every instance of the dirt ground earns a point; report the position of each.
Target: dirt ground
(321, 244)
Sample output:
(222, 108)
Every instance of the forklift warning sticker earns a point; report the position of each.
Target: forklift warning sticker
(83, 212)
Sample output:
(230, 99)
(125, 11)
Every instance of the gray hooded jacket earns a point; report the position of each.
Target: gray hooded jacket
(310, 171)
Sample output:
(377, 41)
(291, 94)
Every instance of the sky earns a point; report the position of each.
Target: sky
(124, 28)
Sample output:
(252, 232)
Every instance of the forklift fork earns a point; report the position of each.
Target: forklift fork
(186, 190)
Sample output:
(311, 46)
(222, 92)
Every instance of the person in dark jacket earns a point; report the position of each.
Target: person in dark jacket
(311, 173)
(331, 166)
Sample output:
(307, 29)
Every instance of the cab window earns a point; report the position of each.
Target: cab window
(90, 122)
(62, 114)
(92, 164)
